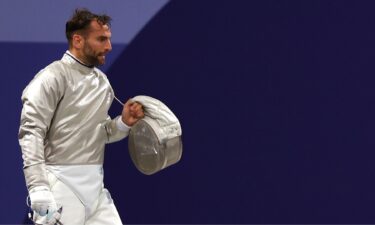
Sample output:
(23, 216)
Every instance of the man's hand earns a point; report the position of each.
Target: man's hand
(44, 206)
(132, 112)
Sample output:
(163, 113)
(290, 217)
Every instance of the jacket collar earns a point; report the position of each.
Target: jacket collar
(70, 59)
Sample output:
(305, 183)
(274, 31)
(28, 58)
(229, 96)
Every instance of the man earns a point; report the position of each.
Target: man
(65, 126)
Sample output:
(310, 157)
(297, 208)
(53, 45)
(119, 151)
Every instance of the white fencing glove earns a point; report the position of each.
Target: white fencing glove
(44, 206)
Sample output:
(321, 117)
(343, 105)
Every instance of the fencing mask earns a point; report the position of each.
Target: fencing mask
(155, 141)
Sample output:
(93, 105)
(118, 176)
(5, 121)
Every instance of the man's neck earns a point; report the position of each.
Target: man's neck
(78, 57)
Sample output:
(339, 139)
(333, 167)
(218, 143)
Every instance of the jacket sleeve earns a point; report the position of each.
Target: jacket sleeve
(40, 99)
(116, 129)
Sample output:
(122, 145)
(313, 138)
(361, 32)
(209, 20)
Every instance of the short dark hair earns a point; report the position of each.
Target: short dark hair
(81, 20)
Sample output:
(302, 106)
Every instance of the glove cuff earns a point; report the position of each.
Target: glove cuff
(39, 188)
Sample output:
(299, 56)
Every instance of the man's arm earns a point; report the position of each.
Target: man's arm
(40, 99)
(116, 129)
(119, 127)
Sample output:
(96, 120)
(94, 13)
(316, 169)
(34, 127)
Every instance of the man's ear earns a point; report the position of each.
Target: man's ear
(77, 41)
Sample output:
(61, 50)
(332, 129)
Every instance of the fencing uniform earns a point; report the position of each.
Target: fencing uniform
(64, 129)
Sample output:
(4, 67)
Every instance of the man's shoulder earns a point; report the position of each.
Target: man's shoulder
(56, 68)
(56, 65)
(101, 73)
(47, 78)
(53, 71)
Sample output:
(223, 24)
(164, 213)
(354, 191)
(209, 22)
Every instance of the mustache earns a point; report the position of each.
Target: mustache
(102, 53)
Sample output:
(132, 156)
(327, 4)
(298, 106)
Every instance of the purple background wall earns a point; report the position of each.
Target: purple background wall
(275, 99)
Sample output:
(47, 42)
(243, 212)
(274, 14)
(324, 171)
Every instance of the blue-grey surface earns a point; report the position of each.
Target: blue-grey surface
(44, 20)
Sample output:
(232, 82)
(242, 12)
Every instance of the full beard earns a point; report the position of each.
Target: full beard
(94, 58)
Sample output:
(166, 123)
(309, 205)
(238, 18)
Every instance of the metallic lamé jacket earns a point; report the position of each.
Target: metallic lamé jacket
(64, 119)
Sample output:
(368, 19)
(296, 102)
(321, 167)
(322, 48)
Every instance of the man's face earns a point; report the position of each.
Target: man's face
(97, 43)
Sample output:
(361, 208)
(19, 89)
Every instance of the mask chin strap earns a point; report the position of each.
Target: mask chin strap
(119, 101)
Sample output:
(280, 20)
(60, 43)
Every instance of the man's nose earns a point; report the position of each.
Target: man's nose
(108, 46)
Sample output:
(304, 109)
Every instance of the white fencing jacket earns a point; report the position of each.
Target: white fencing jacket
(65, 123)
